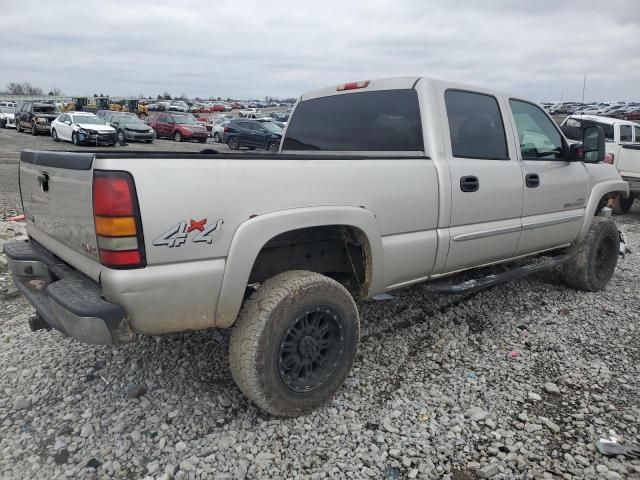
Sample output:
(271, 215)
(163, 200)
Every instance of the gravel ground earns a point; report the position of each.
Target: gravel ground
(433, 393)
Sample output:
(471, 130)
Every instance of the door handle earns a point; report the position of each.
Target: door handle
(532, 180)
(469, 183)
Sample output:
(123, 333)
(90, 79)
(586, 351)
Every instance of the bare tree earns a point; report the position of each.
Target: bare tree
(55, 92)
(166, 95)
(15, 89)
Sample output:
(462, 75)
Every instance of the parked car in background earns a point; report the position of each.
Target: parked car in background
(178, 106)
(252, 134)
(82, 128)
(622, 146)
(7, 115)
(212, 121)
(129, 127)
(179, 127)
(36, 117)
(217, 131)
(280, 116)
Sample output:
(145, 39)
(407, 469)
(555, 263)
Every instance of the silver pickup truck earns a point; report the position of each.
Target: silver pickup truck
(378, 185)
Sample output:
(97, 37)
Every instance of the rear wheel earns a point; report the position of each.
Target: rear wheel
(216, 137)
(273, 147)
(233, 143)
(294, 342)
(177, 137)
(54, 135)
(594, 259)
(34, 129)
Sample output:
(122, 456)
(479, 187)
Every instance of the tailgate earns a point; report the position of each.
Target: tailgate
(56, 189)
(628, 163)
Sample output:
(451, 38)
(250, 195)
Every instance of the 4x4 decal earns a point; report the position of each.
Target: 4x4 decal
(180, 233)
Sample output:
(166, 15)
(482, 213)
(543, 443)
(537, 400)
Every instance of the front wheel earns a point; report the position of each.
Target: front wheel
(294, 342)
(74, 138)
(233, 143)
(595, 257)
(122, 138)
(54, 135)
(177, 137)
(34, 129)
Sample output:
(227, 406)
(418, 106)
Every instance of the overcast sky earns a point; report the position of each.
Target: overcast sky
(250, 49)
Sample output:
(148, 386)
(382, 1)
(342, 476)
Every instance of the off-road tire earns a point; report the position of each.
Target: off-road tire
(258, 339)
(594, 259)
(623, 205)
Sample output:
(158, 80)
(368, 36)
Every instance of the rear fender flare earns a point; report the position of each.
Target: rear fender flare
(253, 234)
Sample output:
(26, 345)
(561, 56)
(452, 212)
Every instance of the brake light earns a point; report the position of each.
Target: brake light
(117, 220)
(226, 129)
(353, 85)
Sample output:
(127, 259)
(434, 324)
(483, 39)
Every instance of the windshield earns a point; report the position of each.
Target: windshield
(185, 120)
(87, 120)
(271, 127)
(45, 109)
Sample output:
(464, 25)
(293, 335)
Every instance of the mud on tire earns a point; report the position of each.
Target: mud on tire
(594, 258)
(294, 342)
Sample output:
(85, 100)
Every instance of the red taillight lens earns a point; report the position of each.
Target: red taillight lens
(353, 85)
(120, 259)
(117, 220)
(226, 129)
(112, 196)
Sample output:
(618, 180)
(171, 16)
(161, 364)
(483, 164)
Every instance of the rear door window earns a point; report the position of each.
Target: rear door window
(475, 126)
(384, 120)
(637, 133)
(625, 133)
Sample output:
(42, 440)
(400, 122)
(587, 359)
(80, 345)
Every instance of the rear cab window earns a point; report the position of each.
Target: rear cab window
(625, 133)
(381, 120)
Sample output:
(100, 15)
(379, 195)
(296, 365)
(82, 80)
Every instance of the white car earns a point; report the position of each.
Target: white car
(82, 128)
(217, 129)
(7, 115)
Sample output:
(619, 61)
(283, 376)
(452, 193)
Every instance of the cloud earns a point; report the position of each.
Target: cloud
(249, 49)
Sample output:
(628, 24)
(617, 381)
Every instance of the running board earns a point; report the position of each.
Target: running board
(517, 273)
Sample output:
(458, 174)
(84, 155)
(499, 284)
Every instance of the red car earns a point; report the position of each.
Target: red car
(635, 115)
(179, 127)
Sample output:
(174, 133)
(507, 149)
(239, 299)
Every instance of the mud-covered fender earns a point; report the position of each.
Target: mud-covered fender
(253, 234)
(598, 191)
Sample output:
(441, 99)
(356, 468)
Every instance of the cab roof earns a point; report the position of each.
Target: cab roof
(605, 120)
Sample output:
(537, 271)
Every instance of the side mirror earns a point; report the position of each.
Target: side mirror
(594, 144)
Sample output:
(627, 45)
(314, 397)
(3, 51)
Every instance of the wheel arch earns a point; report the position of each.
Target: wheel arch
(598, 191)
(252, 236)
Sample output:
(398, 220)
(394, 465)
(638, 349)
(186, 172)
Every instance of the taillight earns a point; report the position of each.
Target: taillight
(117, 220)
(353, 85)
(226, 129)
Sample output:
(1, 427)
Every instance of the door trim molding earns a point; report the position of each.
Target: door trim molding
(487, 233)
(552, 221)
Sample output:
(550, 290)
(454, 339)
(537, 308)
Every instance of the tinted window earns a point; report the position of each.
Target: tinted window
(475, 125)
(637, 130)
(537, 134)
(386, 120)
(625, 133)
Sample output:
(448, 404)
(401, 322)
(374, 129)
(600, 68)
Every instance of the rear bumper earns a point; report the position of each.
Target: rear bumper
(65, 299)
